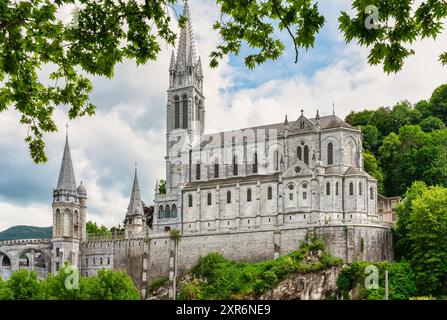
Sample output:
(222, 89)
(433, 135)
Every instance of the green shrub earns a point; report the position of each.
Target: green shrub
(155, 284)
(218, 278)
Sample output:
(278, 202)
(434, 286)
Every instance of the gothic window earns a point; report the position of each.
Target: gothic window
(255, 164)
(58, 222)
(360, 189)
(275, 160)
(86, 261)
(209, 198)
(190, 200)
(100, 261)
(185, 112)
(67, 223)
(371, 193)
(161, 212)
(328, 189)
(306, 154)
(351, 189)
(228, 196)
(174, 211)
(336, 188)
(216, 169)
(108, 260)
(330, 153)
(94, 261)
(290, 196)
(298, 152)
(168, 212)
(304, 195)
(235, 169)
(269, 193)
(177, 113)
(248, 195)
(198, 171)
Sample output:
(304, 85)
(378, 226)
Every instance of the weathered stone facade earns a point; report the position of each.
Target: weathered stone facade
(251, 194)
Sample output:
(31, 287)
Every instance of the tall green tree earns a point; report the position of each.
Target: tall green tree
(106, 32)
(110, 285)
(427, 234)
(371, 166)
(24, 285)
(93, 228)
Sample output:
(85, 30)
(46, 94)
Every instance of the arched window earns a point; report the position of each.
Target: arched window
(228, 196)
(174, 211)
(306, 154)
(351, 189)
(58, 222)
(94, 261)
(209, 198)
(190, 200)
(371, 193)
(185, 112)
(255, 164)
(168, 211)
(216, 169)
(336, 188)
(248, 195)
(276, 160)
(67, 223)
(100, 261)
(235, 169)
(198, 171)
(328, 189)
(330, 153)
(161, 212)
(86, 261)
(360, 189)
(108, 260)
(299, 154)
(177, 113)
(269, 193)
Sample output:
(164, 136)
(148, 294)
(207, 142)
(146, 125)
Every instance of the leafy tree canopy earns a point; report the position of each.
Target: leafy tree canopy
(105, 32)
(93, 228)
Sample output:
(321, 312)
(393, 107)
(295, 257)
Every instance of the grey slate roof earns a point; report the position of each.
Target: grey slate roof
(135, 205)
(326, 122)
(66, 175)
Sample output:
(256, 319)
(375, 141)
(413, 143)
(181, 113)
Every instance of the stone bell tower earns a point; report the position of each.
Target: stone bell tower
(69, 215)
(185, 103)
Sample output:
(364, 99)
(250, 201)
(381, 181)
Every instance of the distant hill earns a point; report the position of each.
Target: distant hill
(26, 232)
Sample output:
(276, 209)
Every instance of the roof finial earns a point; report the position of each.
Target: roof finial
(66, 130)
(333, 109)
(286, 122)
(317, 116)
(302, 111)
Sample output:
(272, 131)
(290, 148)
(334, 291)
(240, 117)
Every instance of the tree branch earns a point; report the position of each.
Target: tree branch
(275, 6)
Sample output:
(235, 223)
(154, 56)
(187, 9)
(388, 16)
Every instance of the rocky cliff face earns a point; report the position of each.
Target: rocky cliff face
(305, 286)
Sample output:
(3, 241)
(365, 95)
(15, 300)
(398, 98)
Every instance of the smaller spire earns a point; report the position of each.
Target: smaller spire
(172, 63)
(333, 109)
(286, 122)
(317, 117)
(135, 205)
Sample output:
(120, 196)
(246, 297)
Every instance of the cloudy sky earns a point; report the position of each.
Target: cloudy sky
(129, 125)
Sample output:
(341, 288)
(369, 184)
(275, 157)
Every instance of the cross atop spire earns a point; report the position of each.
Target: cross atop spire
(135, 205)
(66, 179)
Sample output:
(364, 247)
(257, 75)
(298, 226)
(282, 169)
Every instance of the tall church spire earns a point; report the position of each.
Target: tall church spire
(135, 205)
(66, 175)
(186, 55)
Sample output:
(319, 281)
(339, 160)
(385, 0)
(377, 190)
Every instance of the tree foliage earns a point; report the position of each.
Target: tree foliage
(106, 32)
(405, 143)
(93, 228)
(106, 285)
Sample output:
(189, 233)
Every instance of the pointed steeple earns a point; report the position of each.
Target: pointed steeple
(172, 63)
(135, 205)
(66, 175)
(186, 55)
